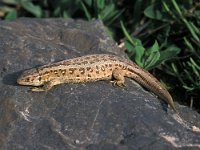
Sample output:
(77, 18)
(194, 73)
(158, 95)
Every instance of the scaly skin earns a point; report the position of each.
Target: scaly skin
(92, 68)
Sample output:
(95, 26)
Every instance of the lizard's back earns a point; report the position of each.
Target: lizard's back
(84, 69)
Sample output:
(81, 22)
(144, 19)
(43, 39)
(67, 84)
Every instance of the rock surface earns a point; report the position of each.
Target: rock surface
(92, 116)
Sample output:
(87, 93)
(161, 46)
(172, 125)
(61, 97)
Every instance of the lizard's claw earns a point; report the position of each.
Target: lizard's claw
(118, 83)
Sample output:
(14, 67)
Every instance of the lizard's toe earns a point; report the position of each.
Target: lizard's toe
(118, 83)
(37, 89)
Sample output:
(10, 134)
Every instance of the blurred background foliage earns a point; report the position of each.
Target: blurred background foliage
(160, 36)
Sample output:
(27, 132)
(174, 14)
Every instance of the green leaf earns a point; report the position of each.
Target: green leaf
(188, 44)
(188, 88)
(152, 55)
(190, 28)
(132, 40)
(86, 11)
(153, 13)
(197, 13)
(154, 48)
(108, 12)
(10, 2)
(156, 11)
(194, 63)
(139, 52)
(177, 8)
(100, 4)
(170, 52)
(30, 7)
(88, 2)
(127, 34)
(151, 61)
(114, 17)
(135, 51)
(195, 71)
(66, 14)
(129, 47)
(57, 11)
(195, 28)
(12, 15)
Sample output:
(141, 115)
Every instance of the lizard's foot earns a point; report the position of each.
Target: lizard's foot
(118, 76)
(38, 89)
(118, 83)
(47, 86)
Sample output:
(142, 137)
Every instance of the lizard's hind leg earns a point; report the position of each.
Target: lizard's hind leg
(118, 76)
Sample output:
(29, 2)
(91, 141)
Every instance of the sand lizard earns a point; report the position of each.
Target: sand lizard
(92, 68)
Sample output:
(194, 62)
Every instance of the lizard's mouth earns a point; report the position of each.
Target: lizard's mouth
(22, 81)
(27, 81)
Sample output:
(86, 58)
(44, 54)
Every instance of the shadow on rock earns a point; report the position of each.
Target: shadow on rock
(11, 79)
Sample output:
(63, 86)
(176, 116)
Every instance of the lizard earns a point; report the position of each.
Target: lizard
(90, 68)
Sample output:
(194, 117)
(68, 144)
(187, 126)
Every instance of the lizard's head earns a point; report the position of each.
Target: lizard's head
(30, 77)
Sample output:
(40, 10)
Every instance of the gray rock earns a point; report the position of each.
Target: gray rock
(92, 116)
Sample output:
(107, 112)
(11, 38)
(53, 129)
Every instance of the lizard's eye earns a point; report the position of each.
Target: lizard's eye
(27, 79)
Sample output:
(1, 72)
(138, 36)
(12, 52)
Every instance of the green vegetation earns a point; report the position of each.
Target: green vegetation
(159, 35)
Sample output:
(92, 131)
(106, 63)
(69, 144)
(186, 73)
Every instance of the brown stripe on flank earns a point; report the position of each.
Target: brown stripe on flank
(124, 67)
(82, 70)
(63, 72)
(97, 67)
(55, 71)
(102, 68)
(85, 62)
(71, 70)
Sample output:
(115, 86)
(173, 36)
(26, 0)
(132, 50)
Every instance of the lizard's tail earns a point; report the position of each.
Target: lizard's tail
(151, 83)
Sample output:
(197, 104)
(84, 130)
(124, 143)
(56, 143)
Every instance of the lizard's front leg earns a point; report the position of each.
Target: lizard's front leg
(46, 87)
